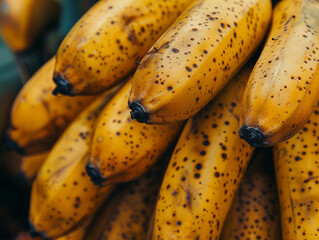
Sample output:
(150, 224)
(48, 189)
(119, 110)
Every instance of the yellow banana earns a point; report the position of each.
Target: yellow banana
(137, 148)
(127, 215)
(63, 197)
(297, 174)
(30, 165)
(38, 117)
(205, 170)
(255, 209)
(196, 57)
(22, 21)
(283, 88)
(108, 40)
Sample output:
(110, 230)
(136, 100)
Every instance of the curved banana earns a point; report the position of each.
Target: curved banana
(138, 146)
(63, 197)
(30, 164)
(129, 210)
(196, 57)
(38, 117)
(205, 170)
(255, 209)
(108, 40)
(283, 88)
(297, 176)
(22, 21)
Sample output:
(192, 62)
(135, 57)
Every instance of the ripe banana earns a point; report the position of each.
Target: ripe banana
(283, 88)
(22, 21)
(196, 57)
(137, 148)
(30, 165)
(129, 210)
(297, 176)
(108, 40)
(63, 197)
(205, 170)
(38, 117)
(255, 209)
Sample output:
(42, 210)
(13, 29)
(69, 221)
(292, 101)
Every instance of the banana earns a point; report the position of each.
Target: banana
(297, 174)
(108, 40)
(205, 170)
(137, 148)
(283, 88)
(255, 209)
(30, 165)
(22, 21)
(196, 57)
(127, 214)
(37, 117)
(63, 198)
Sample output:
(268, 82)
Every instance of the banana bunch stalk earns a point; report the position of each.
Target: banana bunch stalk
(63, 198)
(195, 58)
(255, 210)
(205, 170)
(123, 149)
(37, 117)
(108, 40)
(283, 88)
(296, 165)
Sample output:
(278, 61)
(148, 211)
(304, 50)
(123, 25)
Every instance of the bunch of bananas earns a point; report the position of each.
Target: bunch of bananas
(186, 87)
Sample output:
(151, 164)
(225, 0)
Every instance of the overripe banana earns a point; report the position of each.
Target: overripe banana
(297, 174)
(137, 148)
(205, 170)
(255, 209)
(196, 57)
(63, 197)
(22, 21)
(37, 117)
(129, 210)
(108, 40)
(30, 165)
(283, 88)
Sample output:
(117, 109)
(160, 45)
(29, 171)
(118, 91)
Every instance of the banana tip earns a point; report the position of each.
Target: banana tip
(253, 136)
(94, 174)
(34, 233)
(9, 144)
(62, 86)
(138, 112)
